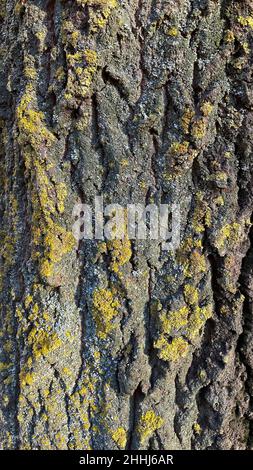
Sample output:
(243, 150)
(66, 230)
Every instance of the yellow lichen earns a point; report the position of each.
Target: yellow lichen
(220, 176)
(246, 47)
(191, 294)
(175, 320)
(199, 129)
(149, 423)
(43, 342)
(75, 38)
(30, 72)
(187, 119)
(202, 215)
(26, 378)
(41, 36)
(60, 441)
(224, 310)
(172, 32)
(229, 234)
(4, 366)
(219, 201)
(171, 351)
(31, 122)
(28, 300)
(229, 36)
(119, 248)
(178, 328)
(61, 194)
(120, 437)
(178, 148)
(105, 309)
(124, 162)
(7, 248)
(194, 264)
(47, 196)
(2, 8)
(197, 428)
(34, 313)
(227, 155)
(197, 320)
(246, 21)
(190, 256)
(58, 242)
(206, 108)
(60, 74)
(120, 251)
(82, 68)
(100, 14)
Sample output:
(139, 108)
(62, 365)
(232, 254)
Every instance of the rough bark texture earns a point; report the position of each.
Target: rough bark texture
(120, 345)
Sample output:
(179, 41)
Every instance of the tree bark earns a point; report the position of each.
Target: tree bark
(108, 345)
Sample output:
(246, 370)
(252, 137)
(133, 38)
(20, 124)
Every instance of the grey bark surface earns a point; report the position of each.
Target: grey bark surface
(107, 345)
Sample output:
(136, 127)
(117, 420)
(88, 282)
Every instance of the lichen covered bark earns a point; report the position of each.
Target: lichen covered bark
(117, 344)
